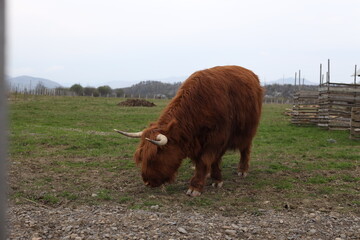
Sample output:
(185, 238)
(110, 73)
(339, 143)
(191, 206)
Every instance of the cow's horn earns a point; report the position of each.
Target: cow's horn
(161, 140)
(132, 135)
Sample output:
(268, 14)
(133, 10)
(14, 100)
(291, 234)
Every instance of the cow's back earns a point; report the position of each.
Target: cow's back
(220, 106)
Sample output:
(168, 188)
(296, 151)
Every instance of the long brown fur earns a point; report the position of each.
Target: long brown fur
(214, 110)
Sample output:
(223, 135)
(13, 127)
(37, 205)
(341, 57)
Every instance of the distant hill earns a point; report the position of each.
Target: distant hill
(291, 81)
(152, 88)
(126, 84)
(30, 83)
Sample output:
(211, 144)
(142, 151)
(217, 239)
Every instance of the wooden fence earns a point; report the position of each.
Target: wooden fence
(355, 123)
(335, 103)
(305, 108)
(336, 106)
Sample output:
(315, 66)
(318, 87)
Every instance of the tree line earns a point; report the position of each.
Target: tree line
(286, 90)
(152, 89)
(156, 89)
(74, 90)
(144, 89)
(102, 91)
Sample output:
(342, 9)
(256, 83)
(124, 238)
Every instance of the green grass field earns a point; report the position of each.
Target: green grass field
(63, 151)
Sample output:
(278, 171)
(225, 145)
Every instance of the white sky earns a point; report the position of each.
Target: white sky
(93, 42)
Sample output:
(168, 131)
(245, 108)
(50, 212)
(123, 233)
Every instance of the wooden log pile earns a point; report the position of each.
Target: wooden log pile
(355, 123)
(335, 103)
(305, 108)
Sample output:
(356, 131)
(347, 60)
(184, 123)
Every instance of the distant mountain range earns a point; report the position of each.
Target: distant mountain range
(290, 81)
(30, 83)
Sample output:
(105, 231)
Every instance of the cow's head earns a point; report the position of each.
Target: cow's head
(158, 155)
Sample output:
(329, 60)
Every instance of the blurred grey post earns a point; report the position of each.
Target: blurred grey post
(355, 75)
(328, 72)
(3, 124)
(320, 74)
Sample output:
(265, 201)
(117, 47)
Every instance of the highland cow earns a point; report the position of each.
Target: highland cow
(215, 110)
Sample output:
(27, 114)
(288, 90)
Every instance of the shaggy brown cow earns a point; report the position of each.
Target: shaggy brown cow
(214, 110)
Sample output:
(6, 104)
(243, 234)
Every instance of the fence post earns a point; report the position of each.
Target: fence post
(355, 74)
(320, 74)
(328, 72)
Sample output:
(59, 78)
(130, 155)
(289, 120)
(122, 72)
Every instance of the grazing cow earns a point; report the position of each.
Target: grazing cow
(214, 110)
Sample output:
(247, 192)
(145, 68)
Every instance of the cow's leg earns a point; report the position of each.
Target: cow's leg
(202, 171)
(216, 174)
(244, 161)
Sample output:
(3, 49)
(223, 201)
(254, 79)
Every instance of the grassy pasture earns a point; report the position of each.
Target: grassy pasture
(63, 152)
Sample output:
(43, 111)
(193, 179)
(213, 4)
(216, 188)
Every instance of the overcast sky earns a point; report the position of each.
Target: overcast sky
(93, 42)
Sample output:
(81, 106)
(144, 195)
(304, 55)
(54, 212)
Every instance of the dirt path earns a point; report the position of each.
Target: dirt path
(28, 221)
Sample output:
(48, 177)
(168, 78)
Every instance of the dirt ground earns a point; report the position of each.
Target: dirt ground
(175, 215)
(113, 203)
(31, 221)
(147, 213)
(136, 103)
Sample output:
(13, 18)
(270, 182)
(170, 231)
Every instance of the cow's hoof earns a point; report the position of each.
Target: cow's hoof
(242, 174)
(193, 193)
(218, 184)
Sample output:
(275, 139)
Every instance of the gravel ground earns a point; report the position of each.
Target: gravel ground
(116, 222)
